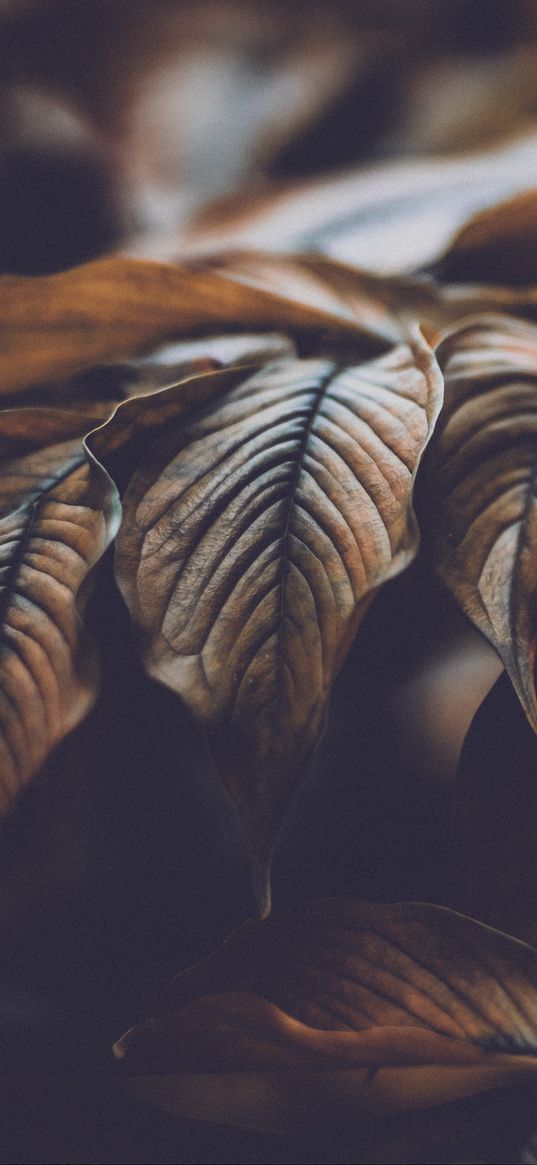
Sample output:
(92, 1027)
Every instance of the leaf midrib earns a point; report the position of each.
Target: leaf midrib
(30, 514)
(318, 402)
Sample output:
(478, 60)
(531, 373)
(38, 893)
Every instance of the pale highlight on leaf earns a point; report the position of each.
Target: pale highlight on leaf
(360, 1008)
(479, 498)
(390, 218)
(53, 326)
(58, 512)
(252, 541)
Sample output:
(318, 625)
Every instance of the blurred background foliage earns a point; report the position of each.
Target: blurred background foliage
(120, 117)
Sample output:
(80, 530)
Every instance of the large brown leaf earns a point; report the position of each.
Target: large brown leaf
(331, 1009)
(252, 540)
(480, 491)
(53, 326)
(384, 306)
(329, 285)
(58, 512)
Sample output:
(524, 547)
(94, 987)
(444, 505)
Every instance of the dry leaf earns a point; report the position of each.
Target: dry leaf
(332, 1009)
(58, 512)
(383, 306)
(499, 245)
(253, 538)
(51, 327)
(479, 493)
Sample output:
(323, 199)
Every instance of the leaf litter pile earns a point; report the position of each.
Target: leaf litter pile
(245, 446)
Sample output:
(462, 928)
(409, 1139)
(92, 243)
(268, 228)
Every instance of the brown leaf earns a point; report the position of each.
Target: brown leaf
(252, 541)
(499, 245)
(494, 823)
(383, 306)
(53, 326)
(331, 1009)
(479, 494)
(58, 512)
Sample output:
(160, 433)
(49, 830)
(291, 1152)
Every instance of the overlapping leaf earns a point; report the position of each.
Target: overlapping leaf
(253, 538)
(333, 1008)
(377, 305)
(480, 495)
(382, 306)
(58, 512)
(51, 327)
(497, 246)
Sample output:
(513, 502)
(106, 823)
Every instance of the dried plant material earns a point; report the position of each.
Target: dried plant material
(254, 536)
(480, 492)
(183, 358)
(333, 1009)
(383, 306)
(497, 246)
(58, 512)
(327, 286)
(54, 326)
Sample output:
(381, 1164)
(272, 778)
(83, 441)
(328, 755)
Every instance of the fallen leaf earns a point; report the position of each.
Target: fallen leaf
(58, 513)
(328, 286)
(332, 1009)
(253, 538)
(499, 245)
(495, 816)
(479, 490)
(53, 326)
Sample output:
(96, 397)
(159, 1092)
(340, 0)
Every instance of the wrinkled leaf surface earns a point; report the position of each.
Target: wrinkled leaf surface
(253, 538)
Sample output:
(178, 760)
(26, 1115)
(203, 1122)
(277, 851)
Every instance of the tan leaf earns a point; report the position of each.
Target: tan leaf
(253, 538)
(53, 326)
(58, 512)
(383, 306)
(326, 285)
(479, 494)
(331, 1009)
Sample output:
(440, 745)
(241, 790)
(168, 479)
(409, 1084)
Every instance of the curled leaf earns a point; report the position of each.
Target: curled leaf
(253, 538)
(499, 245)
(384, 306)
(58, 512)
(53, 326)
(479, 495)
(327, 285)
(330, 1009)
